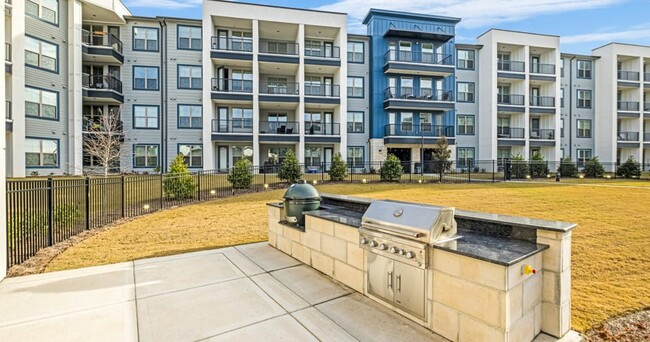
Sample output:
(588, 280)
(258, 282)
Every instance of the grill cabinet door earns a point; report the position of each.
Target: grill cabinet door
(410, 289)
(381, 280)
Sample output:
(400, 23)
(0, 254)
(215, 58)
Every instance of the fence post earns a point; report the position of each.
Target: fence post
(123, 197)
(161, 191)
(469, 173)
(322, 172)
(198, 183)
(50, 210)
(87, 199)
(494, 170)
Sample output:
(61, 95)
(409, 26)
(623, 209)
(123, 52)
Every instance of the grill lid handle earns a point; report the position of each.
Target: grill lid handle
(379, 228)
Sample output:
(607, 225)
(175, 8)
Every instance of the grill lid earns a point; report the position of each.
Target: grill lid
(425, 223)
(302, 191)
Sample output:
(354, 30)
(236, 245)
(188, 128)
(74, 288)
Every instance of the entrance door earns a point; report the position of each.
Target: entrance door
(222, 41)
(328, 158)
(392, 121)
(534, 64)
(404, 155)
(391, 48)
(329, 49)
(534, 128)
(329, 125)
(223, 119)
(329, 84)
(534, 97)
(222, 76)
(223, 158)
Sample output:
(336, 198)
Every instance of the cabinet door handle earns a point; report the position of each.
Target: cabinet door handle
(390, 280)
(399, 283)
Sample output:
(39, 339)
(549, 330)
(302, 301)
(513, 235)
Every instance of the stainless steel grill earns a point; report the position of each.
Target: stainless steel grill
(397, 237)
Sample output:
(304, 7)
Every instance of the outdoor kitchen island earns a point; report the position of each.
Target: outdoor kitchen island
(488, 277)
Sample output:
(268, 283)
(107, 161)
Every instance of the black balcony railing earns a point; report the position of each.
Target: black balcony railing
(104, 82)
(322, 128)
(542, 101)
(515, 66)
(232, 44)
(8, 114)
(93, 124)
(628, 106)
(228, 85)
(421, 130)
(627, 136)
(542, 134)
(510, 99)
(280, 88)
(510, 132)
(278, 47)
(418, 57)
(422, 95)
(279, 127)
(539, 68)
(232, 126)
(628, 75)
(7, 52)
(323, 90)
(101, 39)
(323, 51)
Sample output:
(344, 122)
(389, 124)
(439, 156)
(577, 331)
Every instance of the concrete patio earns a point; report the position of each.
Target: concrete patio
(243, 293)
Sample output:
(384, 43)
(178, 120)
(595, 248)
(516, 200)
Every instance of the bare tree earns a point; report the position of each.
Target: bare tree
(103, 141)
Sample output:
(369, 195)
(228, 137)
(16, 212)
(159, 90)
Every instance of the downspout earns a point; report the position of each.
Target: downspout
(571, 107)
(163, 96)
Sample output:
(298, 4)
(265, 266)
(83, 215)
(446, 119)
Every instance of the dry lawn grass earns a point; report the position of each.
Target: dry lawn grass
(611, 246)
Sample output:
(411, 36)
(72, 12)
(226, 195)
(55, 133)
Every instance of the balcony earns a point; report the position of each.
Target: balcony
(279, 91)
(630, 106)
(9, 125)
(102, 88)
(322, 93)
(240, 48)
(93, 125)
(545, 69)
(646, 137)
(510, 99)
(628, 75)
(646, 77)
(233, 126)
(542, 101)
(425, 99)
(232, 89)
(646, 107)
(420, 63)
(511, 66)
(408, 133)
(102, 47)
(627, 136)
(322, 128)
(506, 132)
(278, 51)
(280, 127)
(8, 65)
(542, 134)
(323, 55)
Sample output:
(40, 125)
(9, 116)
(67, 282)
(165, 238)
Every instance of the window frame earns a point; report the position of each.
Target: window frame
(58, 153)
(189, 165)
(354, 122)
(353, 163)
(58, 104)
(363, 87)
(466, 116)
(458, 64)
(178, 37)
(133, 123)
(135, 156)
(157, 78)
(133, 39)
(578, 129)
(363, 52)
(578, 70)
(40, 10)
(178, 76)
(578, 91)
(464, 164)
(40, 55)
(473, 85)
(581, 161)
(178, 116)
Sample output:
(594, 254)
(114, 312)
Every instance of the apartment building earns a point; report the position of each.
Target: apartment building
(255, 81)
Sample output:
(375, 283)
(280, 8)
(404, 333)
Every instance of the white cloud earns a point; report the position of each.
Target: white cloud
(166, 4)
(474, 13)
(606, 36)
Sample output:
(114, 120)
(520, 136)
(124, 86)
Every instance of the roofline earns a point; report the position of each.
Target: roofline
(139, 17)
(514, 31)
(180, 19)
(276, 6)
(475, 46)
(354, 35)
(617, 43)
(577, 55)
(408, 15)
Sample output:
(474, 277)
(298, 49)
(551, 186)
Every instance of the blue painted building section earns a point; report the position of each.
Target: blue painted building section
(422, 33)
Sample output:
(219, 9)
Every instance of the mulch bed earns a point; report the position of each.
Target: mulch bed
(632, 327)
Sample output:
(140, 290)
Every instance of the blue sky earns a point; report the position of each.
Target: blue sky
(582, 24)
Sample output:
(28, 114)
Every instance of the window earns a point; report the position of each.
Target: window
(465, 59)
(145, 117)
(41, 54)
(242, 117)
(465, 157)
(190, 116)
(41, 103)
(406, 84)
(355, 86)
(313, 48)
(46, 10)
(276, 154)
(465, 92)
(561, 128)
(584, 69)
(41, 152)
(312, 156)
(242, 41)
(561, 67)
(584, 98)
(466, 124)
(239, 152)
(189, 77)
(192, 155)
(561, 97)
(425, 122)
(584, 128)
(355, 122)
(313, 122)
(189, 37)
(145, 156)
(145, 78)
(242, 80)
(145, 39)
(355, 156)
(583, 156)
(426, 88)
(355, 52)
(407, 122)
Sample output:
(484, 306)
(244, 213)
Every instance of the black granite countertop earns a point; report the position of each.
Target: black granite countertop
(338, 215)
(497, 250)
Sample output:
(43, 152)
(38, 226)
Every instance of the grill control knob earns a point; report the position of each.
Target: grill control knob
(373, 243)
(402, 252)
(383, 247)
(410, 255)
(363, 241)
(394, 250)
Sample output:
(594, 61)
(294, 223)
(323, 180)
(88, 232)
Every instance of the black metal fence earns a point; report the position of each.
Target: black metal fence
(43, 212)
